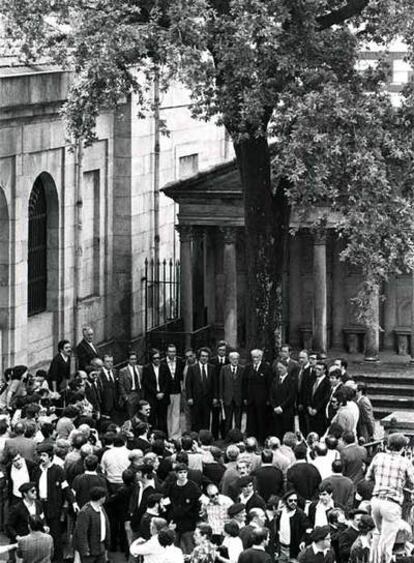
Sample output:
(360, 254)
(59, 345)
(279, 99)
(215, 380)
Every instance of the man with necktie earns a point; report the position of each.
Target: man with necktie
(218, 362)
(109, 387)
(130, 385)
(306, 380)
(231, 377)
(201, 390)
(86, 350)
(256, 395)
(318, 400)
(174, 369)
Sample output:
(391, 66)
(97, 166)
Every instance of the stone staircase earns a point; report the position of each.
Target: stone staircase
(390, 387)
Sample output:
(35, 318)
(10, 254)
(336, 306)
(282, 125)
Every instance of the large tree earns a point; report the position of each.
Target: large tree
(240, 59)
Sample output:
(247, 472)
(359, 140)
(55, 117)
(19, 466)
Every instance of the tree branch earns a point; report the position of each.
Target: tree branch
(352, 8)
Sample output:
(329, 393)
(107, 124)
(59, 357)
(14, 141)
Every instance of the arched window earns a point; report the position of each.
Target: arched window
(37, 250)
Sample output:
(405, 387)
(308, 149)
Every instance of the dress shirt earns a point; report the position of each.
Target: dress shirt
(321, 518)
(133, 370)
(391, 472)
(284, 526)
(109, 375)
(102, 518)
(151, 550)
(172, 365)
(316, 550)
(18, 477)
(43, 483)
(31, 507)
(157, 376)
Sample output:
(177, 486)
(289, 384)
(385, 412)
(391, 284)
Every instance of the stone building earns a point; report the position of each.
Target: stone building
(76, 226)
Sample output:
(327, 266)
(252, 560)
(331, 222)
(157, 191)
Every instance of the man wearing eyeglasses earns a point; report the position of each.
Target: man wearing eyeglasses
(291, 524)
(214, 508)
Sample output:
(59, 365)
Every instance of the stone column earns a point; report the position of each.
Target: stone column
(372, 325)
(319, 293)
(186, 276)
(412, 318)
(295, 292)
(390, 312)
(230, 285)
(338, 298)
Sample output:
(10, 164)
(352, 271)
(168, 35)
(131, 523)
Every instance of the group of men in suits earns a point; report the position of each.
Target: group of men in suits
(215, 389)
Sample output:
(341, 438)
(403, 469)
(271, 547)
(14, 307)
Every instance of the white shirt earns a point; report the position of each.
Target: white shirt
(284, 531)
(157, 376)
(102, 518)
(234, 547)
(18, 477)
(31, 507)
(172, 554)
(114, 462)
(172, 365)
(152, 551)
(133, 372)
(324, 465)
(353, 407)
(43, 483)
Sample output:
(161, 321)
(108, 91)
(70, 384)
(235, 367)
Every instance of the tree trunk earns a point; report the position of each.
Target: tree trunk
(266, 221)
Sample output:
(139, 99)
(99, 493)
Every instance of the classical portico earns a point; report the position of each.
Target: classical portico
(319, 289)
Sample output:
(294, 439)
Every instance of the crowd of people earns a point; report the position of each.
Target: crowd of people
(201, 459)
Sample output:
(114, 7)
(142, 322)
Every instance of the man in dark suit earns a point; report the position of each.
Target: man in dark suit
(86, 350)
(336, 383)
(109, 387)
(318, 400)
(18, 521)
(231, 388)
(257, 553)
(269, 479)
(256, 390)
(156, 390)
(93, 391)
(59, 370)
(282, 400)
(130, 385)
(218, 362)
(91, 537)
(305, 382)
(174, 368)
(200, 390)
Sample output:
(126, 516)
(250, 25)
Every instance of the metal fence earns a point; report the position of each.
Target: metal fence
(161, 292)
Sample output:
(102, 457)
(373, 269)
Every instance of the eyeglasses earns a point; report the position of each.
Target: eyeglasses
(292, 500)
(156, 357)
(214, 495)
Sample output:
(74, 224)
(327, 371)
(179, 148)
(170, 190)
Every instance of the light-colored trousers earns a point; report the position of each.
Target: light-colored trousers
(173, 416)
(387, 518)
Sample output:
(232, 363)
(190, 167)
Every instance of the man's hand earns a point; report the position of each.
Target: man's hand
(190, 402)
(278, 410)
(215, 403)
(160, 396)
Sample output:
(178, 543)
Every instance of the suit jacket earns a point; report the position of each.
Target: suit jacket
(31, 468)
(87, 533)
(366, 421)
(195, 387)
(109, 392)
(284, 394)
(59, 371)
(58, 490)
(94, 395)
(25, 446)
(126, 381)
(18, 520)
(256, 384)
(37, 547)
(149, 383)
(299, 523)
(306, 379)
(85, 354)
(231, 389)
(252, 555)
(174, 381)
(320, 398)
(218, 365)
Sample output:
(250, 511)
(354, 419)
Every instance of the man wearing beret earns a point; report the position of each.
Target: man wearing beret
(53, 491)
(18, 521)
(320, 550)
(237, 513)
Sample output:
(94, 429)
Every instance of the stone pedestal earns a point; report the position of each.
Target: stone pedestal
(186, 237)
(230, 286)
(319, 322)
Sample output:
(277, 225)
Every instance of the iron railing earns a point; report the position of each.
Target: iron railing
(161, 292)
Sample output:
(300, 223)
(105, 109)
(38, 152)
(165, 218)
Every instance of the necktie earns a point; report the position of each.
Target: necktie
(204, 375)
(233, 369)
(136, 379)
(314, 388)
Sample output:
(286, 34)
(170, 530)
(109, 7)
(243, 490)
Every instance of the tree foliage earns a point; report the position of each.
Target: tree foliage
(284, 68)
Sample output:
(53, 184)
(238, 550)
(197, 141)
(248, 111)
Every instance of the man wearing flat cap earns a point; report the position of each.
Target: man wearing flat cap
(18, 521)
(237, 512)
(349, 535)
(320, 550)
